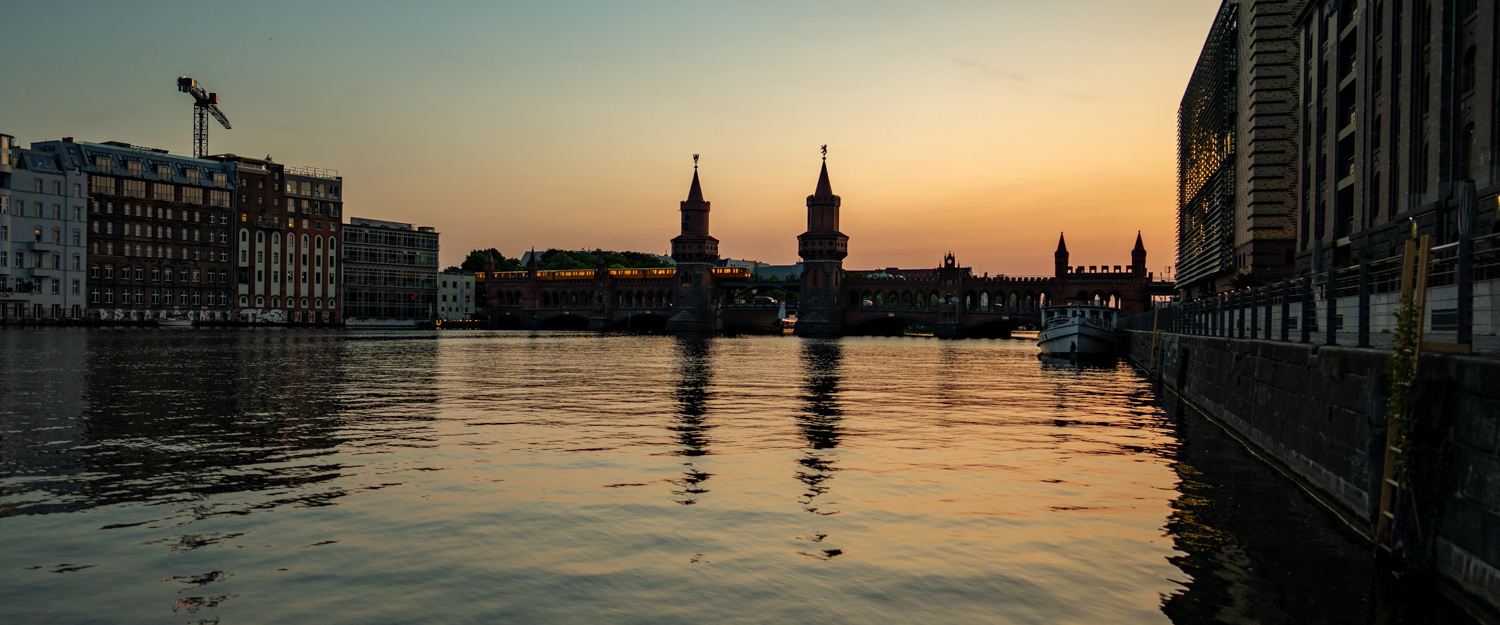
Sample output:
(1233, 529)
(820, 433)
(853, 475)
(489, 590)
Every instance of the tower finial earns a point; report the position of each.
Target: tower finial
(825, 151)
(695, 161)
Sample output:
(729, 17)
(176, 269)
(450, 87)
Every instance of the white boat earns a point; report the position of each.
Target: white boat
(1083, 330)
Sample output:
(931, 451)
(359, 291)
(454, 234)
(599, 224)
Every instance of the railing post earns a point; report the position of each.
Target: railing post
(1239, 314)
(1465, 290)
(1364, 303)
(1254, 313)
(1286, 310)
(1269, 301)
(1331, 297)
(1309, 308)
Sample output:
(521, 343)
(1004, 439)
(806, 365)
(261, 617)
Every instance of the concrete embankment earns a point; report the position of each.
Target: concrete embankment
(1319, 413)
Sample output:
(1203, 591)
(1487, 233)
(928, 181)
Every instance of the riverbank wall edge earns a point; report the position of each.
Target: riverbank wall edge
(1319, 413)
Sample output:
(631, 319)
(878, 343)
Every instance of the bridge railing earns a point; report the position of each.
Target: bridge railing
(1356, 305)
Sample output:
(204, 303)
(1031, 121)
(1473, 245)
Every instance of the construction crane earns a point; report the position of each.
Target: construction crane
(204, 104)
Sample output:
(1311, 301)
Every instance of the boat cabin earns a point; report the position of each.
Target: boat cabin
(1087, 311)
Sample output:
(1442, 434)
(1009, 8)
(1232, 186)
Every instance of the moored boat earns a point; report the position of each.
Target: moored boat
(1078, 330)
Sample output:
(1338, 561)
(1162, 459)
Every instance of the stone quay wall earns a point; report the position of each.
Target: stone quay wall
(1319, 413)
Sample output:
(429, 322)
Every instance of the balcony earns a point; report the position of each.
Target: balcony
(272, 224)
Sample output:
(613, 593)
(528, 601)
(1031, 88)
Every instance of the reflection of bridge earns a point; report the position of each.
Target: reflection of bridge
(695, 296)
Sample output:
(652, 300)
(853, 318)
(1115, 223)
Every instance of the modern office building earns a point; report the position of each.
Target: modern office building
(287, 263)
(1399, 117)
(43, 236)
(158, 229)
(1237, 151)
(456, 295)
(390, 273)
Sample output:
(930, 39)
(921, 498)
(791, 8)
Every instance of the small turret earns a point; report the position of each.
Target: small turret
(1138, 256)
(1060, 257)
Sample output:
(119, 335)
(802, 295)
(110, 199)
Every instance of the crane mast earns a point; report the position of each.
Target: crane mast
(204, 104)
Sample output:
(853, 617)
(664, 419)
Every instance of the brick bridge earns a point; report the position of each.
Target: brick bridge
(696, 296)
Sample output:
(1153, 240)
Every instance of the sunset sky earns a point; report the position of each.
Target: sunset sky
(981, 128)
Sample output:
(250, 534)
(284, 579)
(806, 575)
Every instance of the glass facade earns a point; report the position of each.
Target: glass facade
(390, 271)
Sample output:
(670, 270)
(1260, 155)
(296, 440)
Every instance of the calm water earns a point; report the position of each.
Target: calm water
(151, 476)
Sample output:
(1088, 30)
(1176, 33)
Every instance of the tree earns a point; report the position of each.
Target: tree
(475, 261)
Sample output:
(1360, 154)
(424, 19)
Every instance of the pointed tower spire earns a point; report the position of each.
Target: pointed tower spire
(695, 192)
(824, 188)
(1060, 258)
(1138, 255)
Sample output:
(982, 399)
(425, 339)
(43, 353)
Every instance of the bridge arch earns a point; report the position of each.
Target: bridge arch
(565, 321)
(508, 322)
(648, 322)
(892, 324)
(992, 328)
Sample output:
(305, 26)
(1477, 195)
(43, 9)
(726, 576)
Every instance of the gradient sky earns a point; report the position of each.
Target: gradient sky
(981, 128)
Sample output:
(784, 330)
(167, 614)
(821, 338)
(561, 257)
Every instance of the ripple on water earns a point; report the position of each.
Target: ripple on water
(312, 476)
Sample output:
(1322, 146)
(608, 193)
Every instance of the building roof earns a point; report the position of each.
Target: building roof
(82, 155)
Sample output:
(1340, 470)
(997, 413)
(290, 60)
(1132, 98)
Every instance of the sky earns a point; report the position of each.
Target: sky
(978, 128)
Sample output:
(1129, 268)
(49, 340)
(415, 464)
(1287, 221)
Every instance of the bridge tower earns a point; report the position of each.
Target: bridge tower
(695, 253)
(1138, 256)
(820, 310)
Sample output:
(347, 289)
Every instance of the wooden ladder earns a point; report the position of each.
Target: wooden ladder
(1414, 264)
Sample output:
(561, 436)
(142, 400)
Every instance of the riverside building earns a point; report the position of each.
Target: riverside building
(1237, 151)
(287, 242)
(390, 273)
(158, 231)
(456, 295)
(1399, 118)
(43, 236)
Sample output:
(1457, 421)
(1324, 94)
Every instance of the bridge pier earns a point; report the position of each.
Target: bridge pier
(600, 324)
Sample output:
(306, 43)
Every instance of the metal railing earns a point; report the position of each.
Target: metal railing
(1356, 305)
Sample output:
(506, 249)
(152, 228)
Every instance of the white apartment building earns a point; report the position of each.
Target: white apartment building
(43, 236)
(456, 295)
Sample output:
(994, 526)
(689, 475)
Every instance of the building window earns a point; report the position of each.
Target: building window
(109, 296)
(134, 168)
(109, 272)
(1466, 72)
(77, 262)
(93, 296)
(1466, 151)
(56, 287)
(78, 287)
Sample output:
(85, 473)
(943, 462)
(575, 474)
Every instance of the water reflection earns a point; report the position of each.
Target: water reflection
(819, 421)
(694, 374)
(1258, 550)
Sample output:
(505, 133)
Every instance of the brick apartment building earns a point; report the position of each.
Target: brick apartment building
(288, 237)
(158, 231)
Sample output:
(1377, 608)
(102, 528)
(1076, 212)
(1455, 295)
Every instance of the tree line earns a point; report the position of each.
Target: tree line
(555, 259)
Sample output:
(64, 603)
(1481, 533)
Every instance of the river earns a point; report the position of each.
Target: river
(275, 476)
